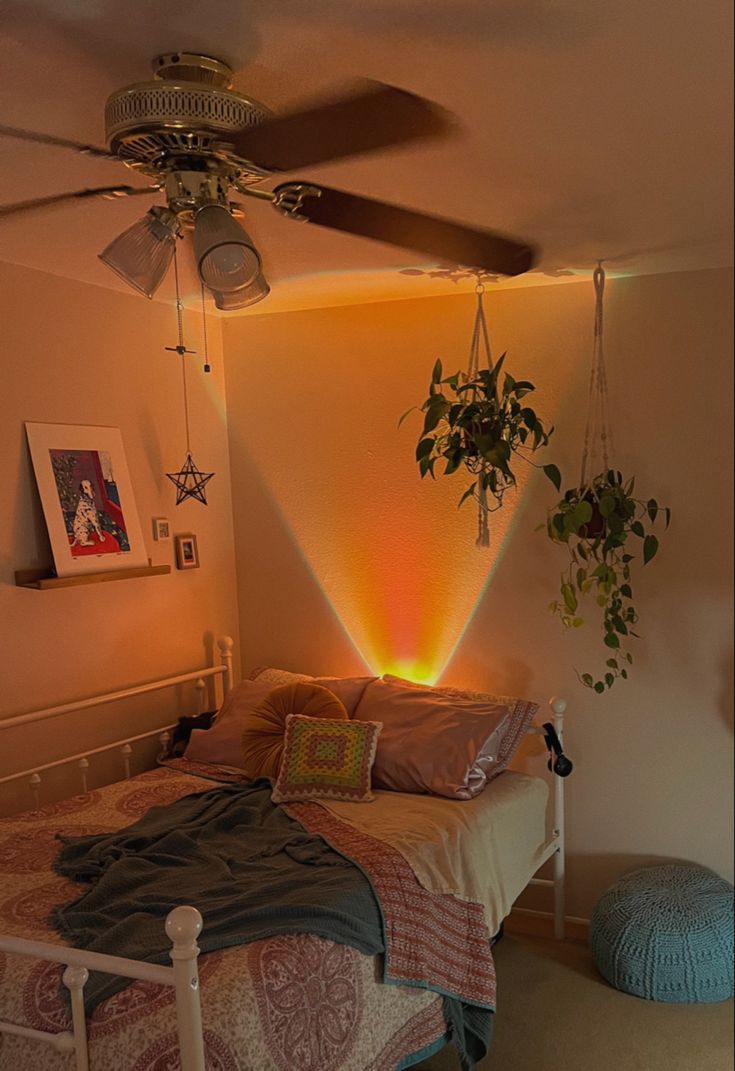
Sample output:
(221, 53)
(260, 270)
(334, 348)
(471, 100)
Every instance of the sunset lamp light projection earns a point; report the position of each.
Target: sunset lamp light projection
(404, 596)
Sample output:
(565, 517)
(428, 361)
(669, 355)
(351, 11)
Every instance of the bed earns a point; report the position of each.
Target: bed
(446, 873)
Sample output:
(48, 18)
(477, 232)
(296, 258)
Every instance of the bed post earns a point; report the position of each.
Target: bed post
(558, 707)
(75, 979)
(183, 926)
(225, 644)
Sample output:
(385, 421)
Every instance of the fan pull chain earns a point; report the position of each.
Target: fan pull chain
(180, 348)
(598, 423)
(207, 366)
(480, 340)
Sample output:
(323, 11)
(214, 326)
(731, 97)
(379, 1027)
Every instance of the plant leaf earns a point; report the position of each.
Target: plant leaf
(554, 475)
(650, 546)
(468, 494)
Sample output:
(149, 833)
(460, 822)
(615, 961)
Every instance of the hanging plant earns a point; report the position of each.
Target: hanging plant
(605, 528)
(474, 421)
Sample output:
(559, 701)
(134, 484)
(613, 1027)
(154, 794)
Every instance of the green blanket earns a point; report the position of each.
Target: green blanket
(252, 871)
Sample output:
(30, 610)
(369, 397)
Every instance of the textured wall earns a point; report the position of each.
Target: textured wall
(344, 557)
(77, 354)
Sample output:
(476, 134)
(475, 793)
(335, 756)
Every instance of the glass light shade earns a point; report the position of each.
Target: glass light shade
(226, 258)
(141, 255)
(240, 299)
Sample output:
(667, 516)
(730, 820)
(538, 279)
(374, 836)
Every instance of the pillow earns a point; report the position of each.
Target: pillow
(349, 690)
(221, 744)
(440, 743)
(326, 760)
(241, 715)
(263, 730)
(522, 714)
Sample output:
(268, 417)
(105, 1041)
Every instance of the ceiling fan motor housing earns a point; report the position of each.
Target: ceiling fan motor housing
(182, 118)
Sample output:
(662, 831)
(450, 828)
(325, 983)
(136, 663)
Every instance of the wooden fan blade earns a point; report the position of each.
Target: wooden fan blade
(58, 198)
(371, 119)
(449, 242)
(63, 143)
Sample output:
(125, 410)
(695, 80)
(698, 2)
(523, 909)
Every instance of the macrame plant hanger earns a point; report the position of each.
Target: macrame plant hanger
(480, 341)
(189, 481)
(597, 433)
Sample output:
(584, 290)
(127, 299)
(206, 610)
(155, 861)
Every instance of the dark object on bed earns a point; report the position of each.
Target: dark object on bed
(183, 730)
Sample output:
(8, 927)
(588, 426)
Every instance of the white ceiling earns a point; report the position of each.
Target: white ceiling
(595, 128)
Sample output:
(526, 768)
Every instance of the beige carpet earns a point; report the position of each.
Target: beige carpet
(555, 1013)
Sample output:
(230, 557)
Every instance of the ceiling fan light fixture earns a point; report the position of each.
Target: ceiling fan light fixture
(226, 258)
(241, 299)
(141, 255)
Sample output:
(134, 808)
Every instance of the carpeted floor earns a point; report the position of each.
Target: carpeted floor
(555, 1013)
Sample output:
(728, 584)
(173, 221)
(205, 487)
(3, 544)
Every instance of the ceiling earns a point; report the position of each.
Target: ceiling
(594, 129)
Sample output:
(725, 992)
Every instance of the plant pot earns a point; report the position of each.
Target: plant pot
(596, 527)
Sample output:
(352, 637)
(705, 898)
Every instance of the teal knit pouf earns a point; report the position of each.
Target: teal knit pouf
(666, 933)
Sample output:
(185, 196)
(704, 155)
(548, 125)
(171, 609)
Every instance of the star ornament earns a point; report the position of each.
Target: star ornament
(190, 482)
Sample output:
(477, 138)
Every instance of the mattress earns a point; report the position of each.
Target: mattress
(483, 850)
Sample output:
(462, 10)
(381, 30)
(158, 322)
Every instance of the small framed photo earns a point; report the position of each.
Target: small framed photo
(187, 552)
(161, 529)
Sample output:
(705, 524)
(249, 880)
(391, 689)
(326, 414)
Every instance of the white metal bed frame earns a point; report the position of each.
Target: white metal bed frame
(184, 923)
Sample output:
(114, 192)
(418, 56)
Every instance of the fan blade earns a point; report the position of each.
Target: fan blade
(109, 192)
(63, 143)
(441, 238)
(371, 119)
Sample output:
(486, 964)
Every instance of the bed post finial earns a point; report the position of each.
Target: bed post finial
(75, 979)
(226, 645)
(183, 926)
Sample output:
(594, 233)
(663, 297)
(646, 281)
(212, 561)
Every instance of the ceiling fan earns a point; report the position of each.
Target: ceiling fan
(199, 141)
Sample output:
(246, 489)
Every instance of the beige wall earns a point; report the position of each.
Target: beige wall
(77, 354)
(345, 558)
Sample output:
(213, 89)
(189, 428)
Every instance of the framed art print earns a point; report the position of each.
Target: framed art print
(87, 498)
(161, 529)
(187, 552)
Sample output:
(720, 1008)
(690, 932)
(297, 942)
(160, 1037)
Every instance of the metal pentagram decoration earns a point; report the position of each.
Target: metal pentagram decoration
(190, 482)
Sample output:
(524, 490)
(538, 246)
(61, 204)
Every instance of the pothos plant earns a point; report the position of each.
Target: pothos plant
(601, 523)
(480, 424)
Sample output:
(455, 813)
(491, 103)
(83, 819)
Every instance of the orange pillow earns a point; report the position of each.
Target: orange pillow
(262, 738)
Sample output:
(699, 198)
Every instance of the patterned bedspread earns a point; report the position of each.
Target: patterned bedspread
(285, 1003)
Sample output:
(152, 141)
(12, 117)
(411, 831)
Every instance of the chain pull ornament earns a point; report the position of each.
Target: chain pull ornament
(189, 481)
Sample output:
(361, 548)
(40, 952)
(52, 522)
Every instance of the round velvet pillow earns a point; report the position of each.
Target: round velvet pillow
(262, 738)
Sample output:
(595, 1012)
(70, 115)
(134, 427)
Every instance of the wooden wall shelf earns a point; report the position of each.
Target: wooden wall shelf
(43, 580)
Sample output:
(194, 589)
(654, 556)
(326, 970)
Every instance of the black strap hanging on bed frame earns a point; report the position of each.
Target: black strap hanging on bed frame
(562, 766)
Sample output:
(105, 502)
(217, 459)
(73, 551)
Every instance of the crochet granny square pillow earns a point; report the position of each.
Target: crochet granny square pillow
(326, 760)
